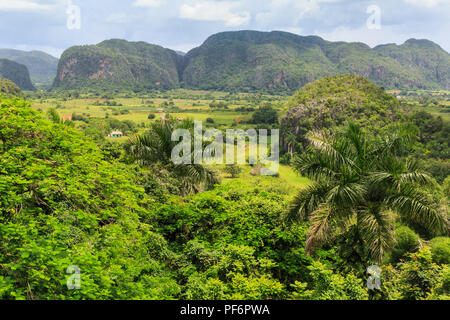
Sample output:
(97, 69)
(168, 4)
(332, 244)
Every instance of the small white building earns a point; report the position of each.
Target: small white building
(116, 134)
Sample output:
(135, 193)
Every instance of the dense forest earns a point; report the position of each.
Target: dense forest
(371, 187)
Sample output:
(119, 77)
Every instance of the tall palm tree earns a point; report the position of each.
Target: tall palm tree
(363, 182)
(154, 148)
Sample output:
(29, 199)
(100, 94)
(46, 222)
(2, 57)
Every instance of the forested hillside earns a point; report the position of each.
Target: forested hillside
(17, 73)
(255, 60)
(118, 64)
(333, 101)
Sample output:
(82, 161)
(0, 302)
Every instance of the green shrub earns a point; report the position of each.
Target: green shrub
(407, 241)
(233, 170)
(446, 187)
(440, 250)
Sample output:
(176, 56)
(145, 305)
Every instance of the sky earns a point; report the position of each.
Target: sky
(55, 25)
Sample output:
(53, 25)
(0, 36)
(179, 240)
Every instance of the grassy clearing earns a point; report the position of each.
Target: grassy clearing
(288, 182)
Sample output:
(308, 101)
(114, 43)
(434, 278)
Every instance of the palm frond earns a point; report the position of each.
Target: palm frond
(325, 223)
(348, 195)
(377, 230)
(320, 228)
(412, 204)
(330, 148)
(307, 201)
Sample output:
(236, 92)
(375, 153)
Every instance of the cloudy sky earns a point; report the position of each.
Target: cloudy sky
(52, 25)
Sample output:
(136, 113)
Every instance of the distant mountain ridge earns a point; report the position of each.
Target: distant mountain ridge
(17, 73)
(253, 60)
(42, 66)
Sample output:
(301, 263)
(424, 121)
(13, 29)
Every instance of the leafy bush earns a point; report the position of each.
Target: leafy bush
(417, 278)
(327, 285)
(265, 115)
(233, 170)
(407, 241)
(440, 250)
(446, 187)
(9, 88)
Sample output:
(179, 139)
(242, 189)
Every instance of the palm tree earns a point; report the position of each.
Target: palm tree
(154, 149)
(363, 183)
(291, 141)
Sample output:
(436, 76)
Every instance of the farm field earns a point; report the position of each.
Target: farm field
(195, 105)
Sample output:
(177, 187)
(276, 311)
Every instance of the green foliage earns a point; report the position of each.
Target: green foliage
(233, 170)
(235, 242)
(440, 250)
(417, 278)
(407, 241)
(446, 187)
(434, 135)
(218, 105)
(265, 115)
(327, 285)
(61, 204)
(9, 88)
(438, 168)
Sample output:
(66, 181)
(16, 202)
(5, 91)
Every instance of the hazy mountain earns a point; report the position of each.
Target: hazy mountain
(118, 64)
(42, 66)
(17, 73)
(251, 60)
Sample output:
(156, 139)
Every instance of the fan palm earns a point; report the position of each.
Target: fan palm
(363, 182)
(154, 148)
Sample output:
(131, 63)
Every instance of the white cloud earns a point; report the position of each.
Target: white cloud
(186, 47)
(148, 3)
(203, 10)
(387, 34)
(22, 5)
(426, 3)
